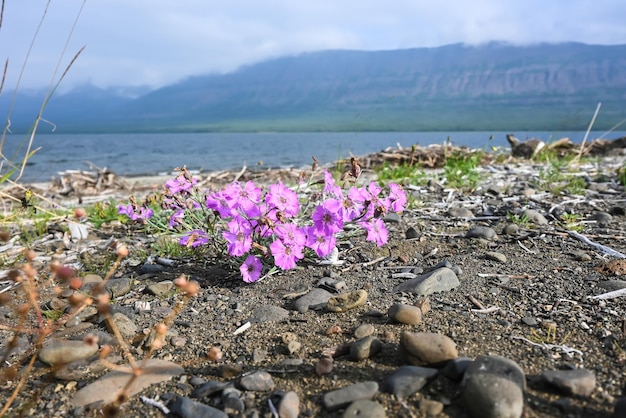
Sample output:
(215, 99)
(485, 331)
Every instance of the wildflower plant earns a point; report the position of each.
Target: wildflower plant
(274, 227)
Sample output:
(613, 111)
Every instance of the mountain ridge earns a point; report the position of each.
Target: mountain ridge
(453, 87)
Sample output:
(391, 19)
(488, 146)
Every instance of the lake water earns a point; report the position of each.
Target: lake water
(148, 154)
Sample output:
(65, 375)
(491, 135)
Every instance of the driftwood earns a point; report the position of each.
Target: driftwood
(87, 183)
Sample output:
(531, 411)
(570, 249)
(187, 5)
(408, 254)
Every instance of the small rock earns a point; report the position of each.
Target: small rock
(611, 285)
(530, 321)
(125, 326)
(407, 380)
(209, 389)
(364, 409)
(424, 305)
(149, 268)
(365, 348)
(331, 284)
(455, 368)
(460, 212)
(602, 218)
(411, 233)
(347, 301)
(260, 381)
(579, 382)
(118, 287)
(289, 406)
(510, 229)
(440, 280)
(269, 313)
(483, 232)
(315, 299)
(430, 408)
(160, 289)
(424, 348)
(229, 371)
(535, 217)
(57, 352)
(405, 314)
(324, 366)
(341, 398)
(495, 256)
(258, 355)
(293, 347)
(187, 408)
(364, 330)
(392, 217)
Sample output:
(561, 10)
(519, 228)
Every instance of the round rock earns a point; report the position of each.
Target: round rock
(405, 314)
(424, 348)
(58, 352)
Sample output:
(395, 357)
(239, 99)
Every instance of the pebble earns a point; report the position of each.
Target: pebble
(407, 380)
(483, 232)
(125, 326)
(495, 256)
(343, 397)
(365, 348)
(324, 366)
(364, 409)
(289, 406)
(106, 388)
(160, 289)
(187, 408)
(440, 280)
(460, 212)
(149, 268)
(260, 381)
(411, 233)
(510, 229)
(579, 382)
(56, 352)
(602, 218)
(364, 330)
(455, 368)
(424, 348)
(535, 217)
(331, 284)
(209, 388)
(118, 287)
(269, 313)
(430, 408)
(347, 301)
(315, 299)
(405, 314)
(610, 285)
(493, 386)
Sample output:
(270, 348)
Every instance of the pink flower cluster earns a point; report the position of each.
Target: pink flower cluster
(260, 225)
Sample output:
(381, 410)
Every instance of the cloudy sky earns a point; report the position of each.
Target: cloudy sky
(158, 42)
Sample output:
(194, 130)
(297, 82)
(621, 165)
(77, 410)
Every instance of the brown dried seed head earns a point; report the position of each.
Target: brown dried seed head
(192, 288)
(105, 350)
(161, 328)
(15, 275)
(180, 282)
(23, 309)
(122, 251)
(76, 299)
(29, 270)
(79, 213)
(157, 344)
(91, 339)
(76, 283)
(30, 255)
(64, 272)
(4, 298)
(215, 354)
(5, 235)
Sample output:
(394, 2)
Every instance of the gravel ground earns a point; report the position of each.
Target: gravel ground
(525, 294)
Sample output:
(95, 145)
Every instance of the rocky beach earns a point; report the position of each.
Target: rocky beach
(499, 296)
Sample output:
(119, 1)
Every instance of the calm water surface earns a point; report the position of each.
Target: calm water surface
(147, 154)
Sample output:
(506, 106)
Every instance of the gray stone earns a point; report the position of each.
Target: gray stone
(364, 409)
(405, 314)
(411, 233)
(483, 232)
(579, 382)
(315, 299)
(364, 330)
(535, 217)
(392, 217)
(455, 368)
(460, 212)
(57, 352)
(289, 405)
(407, 380)
(331, 284)
(160, 289)
(611, 285)
(495, 256)
(210, 388)
(500, 366)
(365, 348)
(269, 313)
(424, 348)
(260, 381)
(602, 218)
(187, 408)
(439, 280)
(341, 398)
(510, 229)
(148, 268)
(492, 396)
(106, 389)
(125, 326)
(430, 408)
(118, 287)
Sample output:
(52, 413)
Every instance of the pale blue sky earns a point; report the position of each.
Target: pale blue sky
(158, 42)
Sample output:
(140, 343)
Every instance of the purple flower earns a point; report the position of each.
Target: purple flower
(330, 187)
(290, 234)
(376, 231)
(319, 242)
(176, 218)
(194, 238)
(251, 269)
(238, 237)
(246, 197)
(283, 198)
(128, 210)
(397, 197)
(328, 216)
(218, 202)
(180, 184)
(285, 255)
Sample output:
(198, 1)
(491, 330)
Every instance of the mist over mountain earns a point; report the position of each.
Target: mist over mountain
(495, 86)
